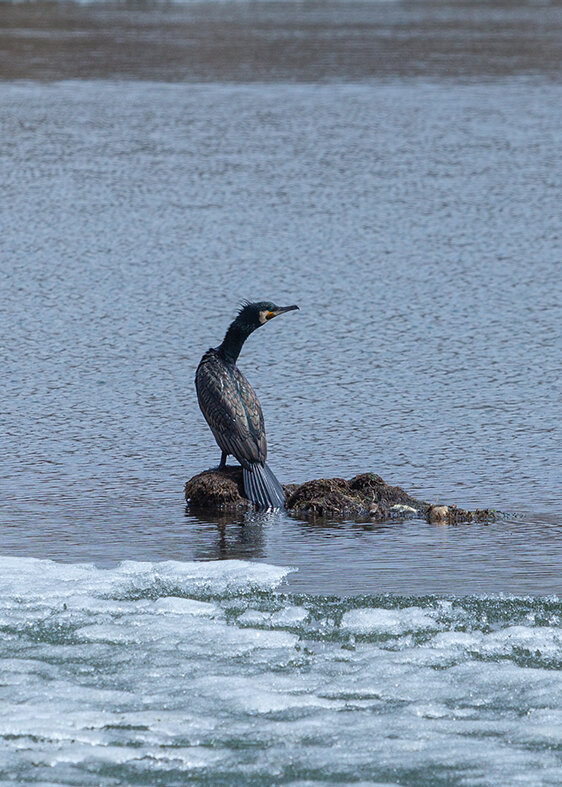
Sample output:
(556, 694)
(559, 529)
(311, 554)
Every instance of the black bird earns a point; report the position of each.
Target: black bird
(231, 407)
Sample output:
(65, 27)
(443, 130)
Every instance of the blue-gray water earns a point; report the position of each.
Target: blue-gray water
(416, 221)
(417, 227)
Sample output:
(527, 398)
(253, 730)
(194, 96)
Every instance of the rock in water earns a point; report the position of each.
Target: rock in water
(218, 490)
(439, 514)
(365, 496)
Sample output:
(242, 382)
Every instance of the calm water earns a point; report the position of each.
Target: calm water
(413, 213)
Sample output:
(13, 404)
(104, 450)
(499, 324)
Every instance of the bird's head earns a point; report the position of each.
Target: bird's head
(253, 315)
(250, 317)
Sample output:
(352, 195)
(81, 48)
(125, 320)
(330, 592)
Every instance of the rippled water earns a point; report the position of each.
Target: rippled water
(417, 226)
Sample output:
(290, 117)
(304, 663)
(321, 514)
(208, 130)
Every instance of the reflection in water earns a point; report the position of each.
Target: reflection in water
(252, 534)
(235, 535)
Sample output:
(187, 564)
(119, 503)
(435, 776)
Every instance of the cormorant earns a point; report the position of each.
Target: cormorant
(231, 407)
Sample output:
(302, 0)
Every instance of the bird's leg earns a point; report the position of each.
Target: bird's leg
(223, 460)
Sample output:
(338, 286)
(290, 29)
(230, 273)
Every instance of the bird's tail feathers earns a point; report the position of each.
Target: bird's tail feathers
(262, 488)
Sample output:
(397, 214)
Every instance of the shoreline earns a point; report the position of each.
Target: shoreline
(278, 41)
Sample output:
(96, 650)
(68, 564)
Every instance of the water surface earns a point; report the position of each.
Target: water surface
(417, 226)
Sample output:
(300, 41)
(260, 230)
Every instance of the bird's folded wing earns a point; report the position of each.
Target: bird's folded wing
(233, 412)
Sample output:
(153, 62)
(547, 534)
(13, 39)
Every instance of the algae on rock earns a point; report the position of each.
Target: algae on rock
(365, 496)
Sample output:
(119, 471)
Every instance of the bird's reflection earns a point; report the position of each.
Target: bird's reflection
(236, 535)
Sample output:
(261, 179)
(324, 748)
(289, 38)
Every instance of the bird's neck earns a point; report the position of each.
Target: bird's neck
(232, 343)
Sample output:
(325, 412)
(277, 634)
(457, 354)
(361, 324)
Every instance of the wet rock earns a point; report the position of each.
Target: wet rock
(437, 514)
(326, 497)
(401, 509)
(451, 515)
(217, 490)
(364, 497)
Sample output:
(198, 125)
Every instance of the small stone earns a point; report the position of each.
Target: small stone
(438, 514)
(402, 509)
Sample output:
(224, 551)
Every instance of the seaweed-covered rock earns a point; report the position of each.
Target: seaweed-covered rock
(365, 496)
(327, 497)
(218, 490)
(451, 515)
(373, 487)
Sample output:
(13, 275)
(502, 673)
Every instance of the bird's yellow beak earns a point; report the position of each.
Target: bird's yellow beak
(281, 310)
